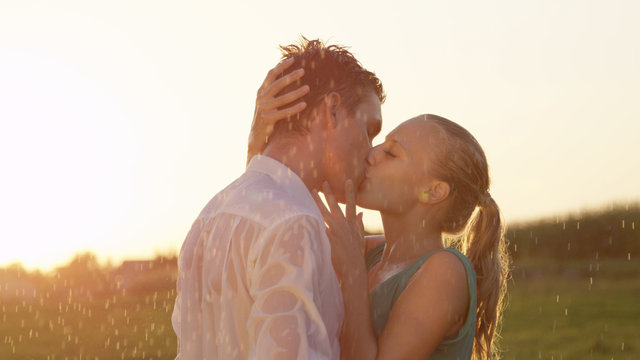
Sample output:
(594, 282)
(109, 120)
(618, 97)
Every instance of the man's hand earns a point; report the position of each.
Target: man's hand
(267, 114)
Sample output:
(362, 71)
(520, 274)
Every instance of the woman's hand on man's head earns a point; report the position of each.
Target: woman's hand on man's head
(269, 111)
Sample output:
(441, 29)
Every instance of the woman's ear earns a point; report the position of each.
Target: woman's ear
(331, 103)
(436, 192)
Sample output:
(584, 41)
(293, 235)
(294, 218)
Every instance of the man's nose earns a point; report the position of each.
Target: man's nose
(371, 158)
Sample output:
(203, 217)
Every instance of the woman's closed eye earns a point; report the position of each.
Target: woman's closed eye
(389, 153)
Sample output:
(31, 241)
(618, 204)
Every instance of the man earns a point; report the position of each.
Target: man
(255, 275)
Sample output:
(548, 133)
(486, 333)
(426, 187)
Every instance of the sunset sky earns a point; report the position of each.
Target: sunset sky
(119, 120)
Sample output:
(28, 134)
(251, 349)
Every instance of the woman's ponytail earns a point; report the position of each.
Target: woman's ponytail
(485, 247)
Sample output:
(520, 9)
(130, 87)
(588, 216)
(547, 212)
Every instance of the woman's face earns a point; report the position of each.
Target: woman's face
(399, 168)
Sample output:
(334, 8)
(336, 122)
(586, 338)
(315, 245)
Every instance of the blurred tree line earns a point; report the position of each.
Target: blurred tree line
(596, 235)
(607, 233)
(85, 279)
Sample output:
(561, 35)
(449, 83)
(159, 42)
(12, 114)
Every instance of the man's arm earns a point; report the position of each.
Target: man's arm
(285, 322)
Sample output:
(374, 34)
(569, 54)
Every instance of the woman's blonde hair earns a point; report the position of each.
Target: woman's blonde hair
(474, 214)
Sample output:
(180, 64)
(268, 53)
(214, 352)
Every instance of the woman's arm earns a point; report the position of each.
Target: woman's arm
(267, 112)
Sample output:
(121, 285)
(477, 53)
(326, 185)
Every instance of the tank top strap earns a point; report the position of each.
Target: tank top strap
(373, 256)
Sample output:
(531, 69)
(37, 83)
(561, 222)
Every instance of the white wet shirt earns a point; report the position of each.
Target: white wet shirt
(255, 275)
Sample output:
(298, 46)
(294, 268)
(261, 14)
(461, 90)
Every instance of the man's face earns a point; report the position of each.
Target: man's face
(349, 145)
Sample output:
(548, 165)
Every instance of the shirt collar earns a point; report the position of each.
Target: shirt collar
(286, 178)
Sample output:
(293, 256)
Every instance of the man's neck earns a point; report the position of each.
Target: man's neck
(299, 156)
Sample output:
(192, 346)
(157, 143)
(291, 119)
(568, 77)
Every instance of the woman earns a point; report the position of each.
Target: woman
(416, 298)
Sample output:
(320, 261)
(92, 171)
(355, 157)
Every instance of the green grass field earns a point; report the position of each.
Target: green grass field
(119, 327)
(579, 310)
(572, 310)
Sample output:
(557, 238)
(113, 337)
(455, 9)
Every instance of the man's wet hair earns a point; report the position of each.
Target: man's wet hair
(327, 68)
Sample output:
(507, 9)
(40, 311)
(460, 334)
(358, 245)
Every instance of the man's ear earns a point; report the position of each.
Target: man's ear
(437, 191)
(330, 108)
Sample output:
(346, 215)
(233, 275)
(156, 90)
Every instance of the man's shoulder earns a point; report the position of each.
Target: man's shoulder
(258, 198)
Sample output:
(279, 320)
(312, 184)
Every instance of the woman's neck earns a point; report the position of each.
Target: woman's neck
(408, 237)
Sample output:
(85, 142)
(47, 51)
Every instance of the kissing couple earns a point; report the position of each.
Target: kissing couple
(270, 271)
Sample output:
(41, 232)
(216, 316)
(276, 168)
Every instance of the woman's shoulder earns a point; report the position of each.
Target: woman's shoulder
(444, 262)
(463, 262)
(443, 275)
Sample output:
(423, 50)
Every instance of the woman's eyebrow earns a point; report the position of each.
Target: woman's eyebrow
(393, 142)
